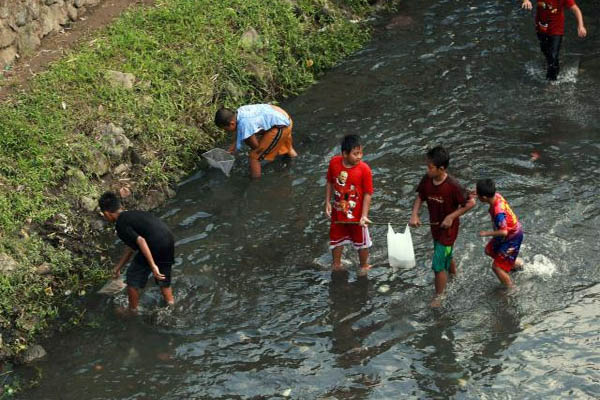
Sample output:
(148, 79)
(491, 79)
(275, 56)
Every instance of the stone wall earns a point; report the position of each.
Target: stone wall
(24, 23)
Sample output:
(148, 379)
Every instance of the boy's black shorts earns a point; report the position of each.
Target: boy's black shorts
(138, 273)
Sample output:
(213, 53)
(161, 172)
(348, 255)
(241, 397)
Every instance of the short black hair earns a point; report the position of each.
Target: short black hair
(350, 142)
(109, 202)
(223, 117)
(486, 187)
(439, 157)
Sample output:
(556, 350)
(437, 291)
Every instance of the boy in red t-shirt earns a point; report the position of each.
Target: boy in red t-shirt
(550, 28)
(350, 181)
(446, 200)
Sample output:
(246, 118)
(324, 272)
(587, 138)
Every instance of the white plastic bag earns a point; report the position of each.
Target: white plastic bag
(221, 159)
(400, 248)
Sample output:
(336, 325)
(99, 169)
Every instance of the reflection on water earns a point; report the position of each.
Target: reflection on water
(259, 314)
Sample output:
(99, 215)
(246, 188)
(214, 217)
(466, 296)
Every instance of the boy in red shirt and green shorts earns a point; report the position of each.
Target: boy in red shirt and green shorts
(550, 28)
(350, 183)
(446, 200)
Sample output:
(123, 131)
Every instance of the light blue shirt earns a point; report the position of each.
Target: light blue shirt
(257, 117)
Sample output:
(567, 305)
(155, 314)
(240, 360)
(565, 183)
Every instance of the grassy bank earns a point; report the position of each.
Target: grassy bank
(188, 57)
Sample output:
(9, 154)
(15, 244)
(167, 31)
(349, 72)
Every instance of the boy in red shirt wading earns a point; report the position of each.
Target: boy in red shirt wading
(550, 28)
(446, 200)
(350, 181)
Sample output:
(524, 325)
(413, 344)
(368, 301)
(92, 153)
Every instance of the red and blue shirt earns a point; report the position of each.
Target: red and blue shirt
(503, 216)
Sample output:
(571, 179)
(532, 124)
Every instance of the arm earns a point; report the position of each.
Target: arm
(148, 255)
(252, 141)
(328, 188)
(499, 232)
(581, 31)
(364, 218)
(415, 221)
(447, 222)
(526, 5)
(124, 260)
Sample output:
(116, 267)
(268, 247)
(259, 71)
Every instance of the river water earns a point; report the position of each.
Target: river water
(257, 315)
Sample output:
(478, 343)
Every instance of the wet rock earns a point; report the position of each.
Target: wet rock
(88, 204)
(170, 192)
(33, 353)
(7, 264)
(113, 141)
(154, 199)
(43, 269)
(120, 79)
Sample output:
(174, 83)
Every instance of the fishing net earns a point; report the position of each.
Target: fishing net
(112, 287)
(221, 159)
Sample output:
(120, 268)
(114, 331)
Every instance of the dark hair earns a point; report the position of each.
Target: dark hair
(439, 157)
(109, 202)
(223, 117)
(486, 187)
(350, 142)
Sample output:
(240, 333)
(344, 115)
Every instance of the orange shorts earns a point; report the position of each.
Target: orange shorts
(275, 142)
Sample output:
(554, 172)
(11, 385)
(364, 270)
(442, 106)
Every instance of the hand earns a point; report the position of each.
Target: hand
(328, 209)
(116, 272)
(581, 31)
(447, 222)
(231, 149)
(157, 274)
(364, 220)
(483, 233)
(415, 221)
(526, 5)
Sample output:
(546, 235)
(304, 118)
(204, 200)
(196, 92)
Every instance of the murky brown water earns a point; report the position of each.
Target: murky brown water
(257, 316)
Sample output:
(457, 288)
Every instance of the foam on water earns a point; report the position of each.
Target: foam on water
(540, 266)
(568, 73)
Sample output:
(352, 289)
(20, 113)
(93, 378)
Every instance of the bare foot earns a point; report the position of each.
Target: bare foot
(364, 271)
(125, 312)
(436, 302)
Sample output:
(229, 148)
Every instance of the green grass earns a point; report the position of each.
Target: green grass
(188, 58)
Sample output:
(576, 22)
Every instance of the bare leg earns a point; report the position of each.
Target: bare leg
(363, 257)
(452, 268)
(518, 263)
(134, 298)
(167, 293)
(255, 168)
(336, 252)
(440, 282)
(292, 153)
(502, 276)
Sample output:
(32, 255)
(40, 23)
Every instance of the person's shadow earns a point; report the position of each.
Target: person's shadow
(347, 305)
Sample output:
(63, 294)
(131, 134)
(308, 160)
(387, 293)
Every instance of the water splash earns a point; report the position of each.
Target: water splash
(540, 266)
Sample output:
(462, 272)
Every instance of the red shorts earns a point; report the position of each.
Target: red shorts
(341, 234)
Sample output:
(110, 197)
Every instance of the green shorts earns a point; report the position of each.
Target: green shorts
(442, 257)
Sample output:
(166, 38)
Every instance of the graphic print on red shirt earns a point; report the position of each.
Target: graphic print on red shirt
(550, 16)
(442, 200)
(349, 186)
